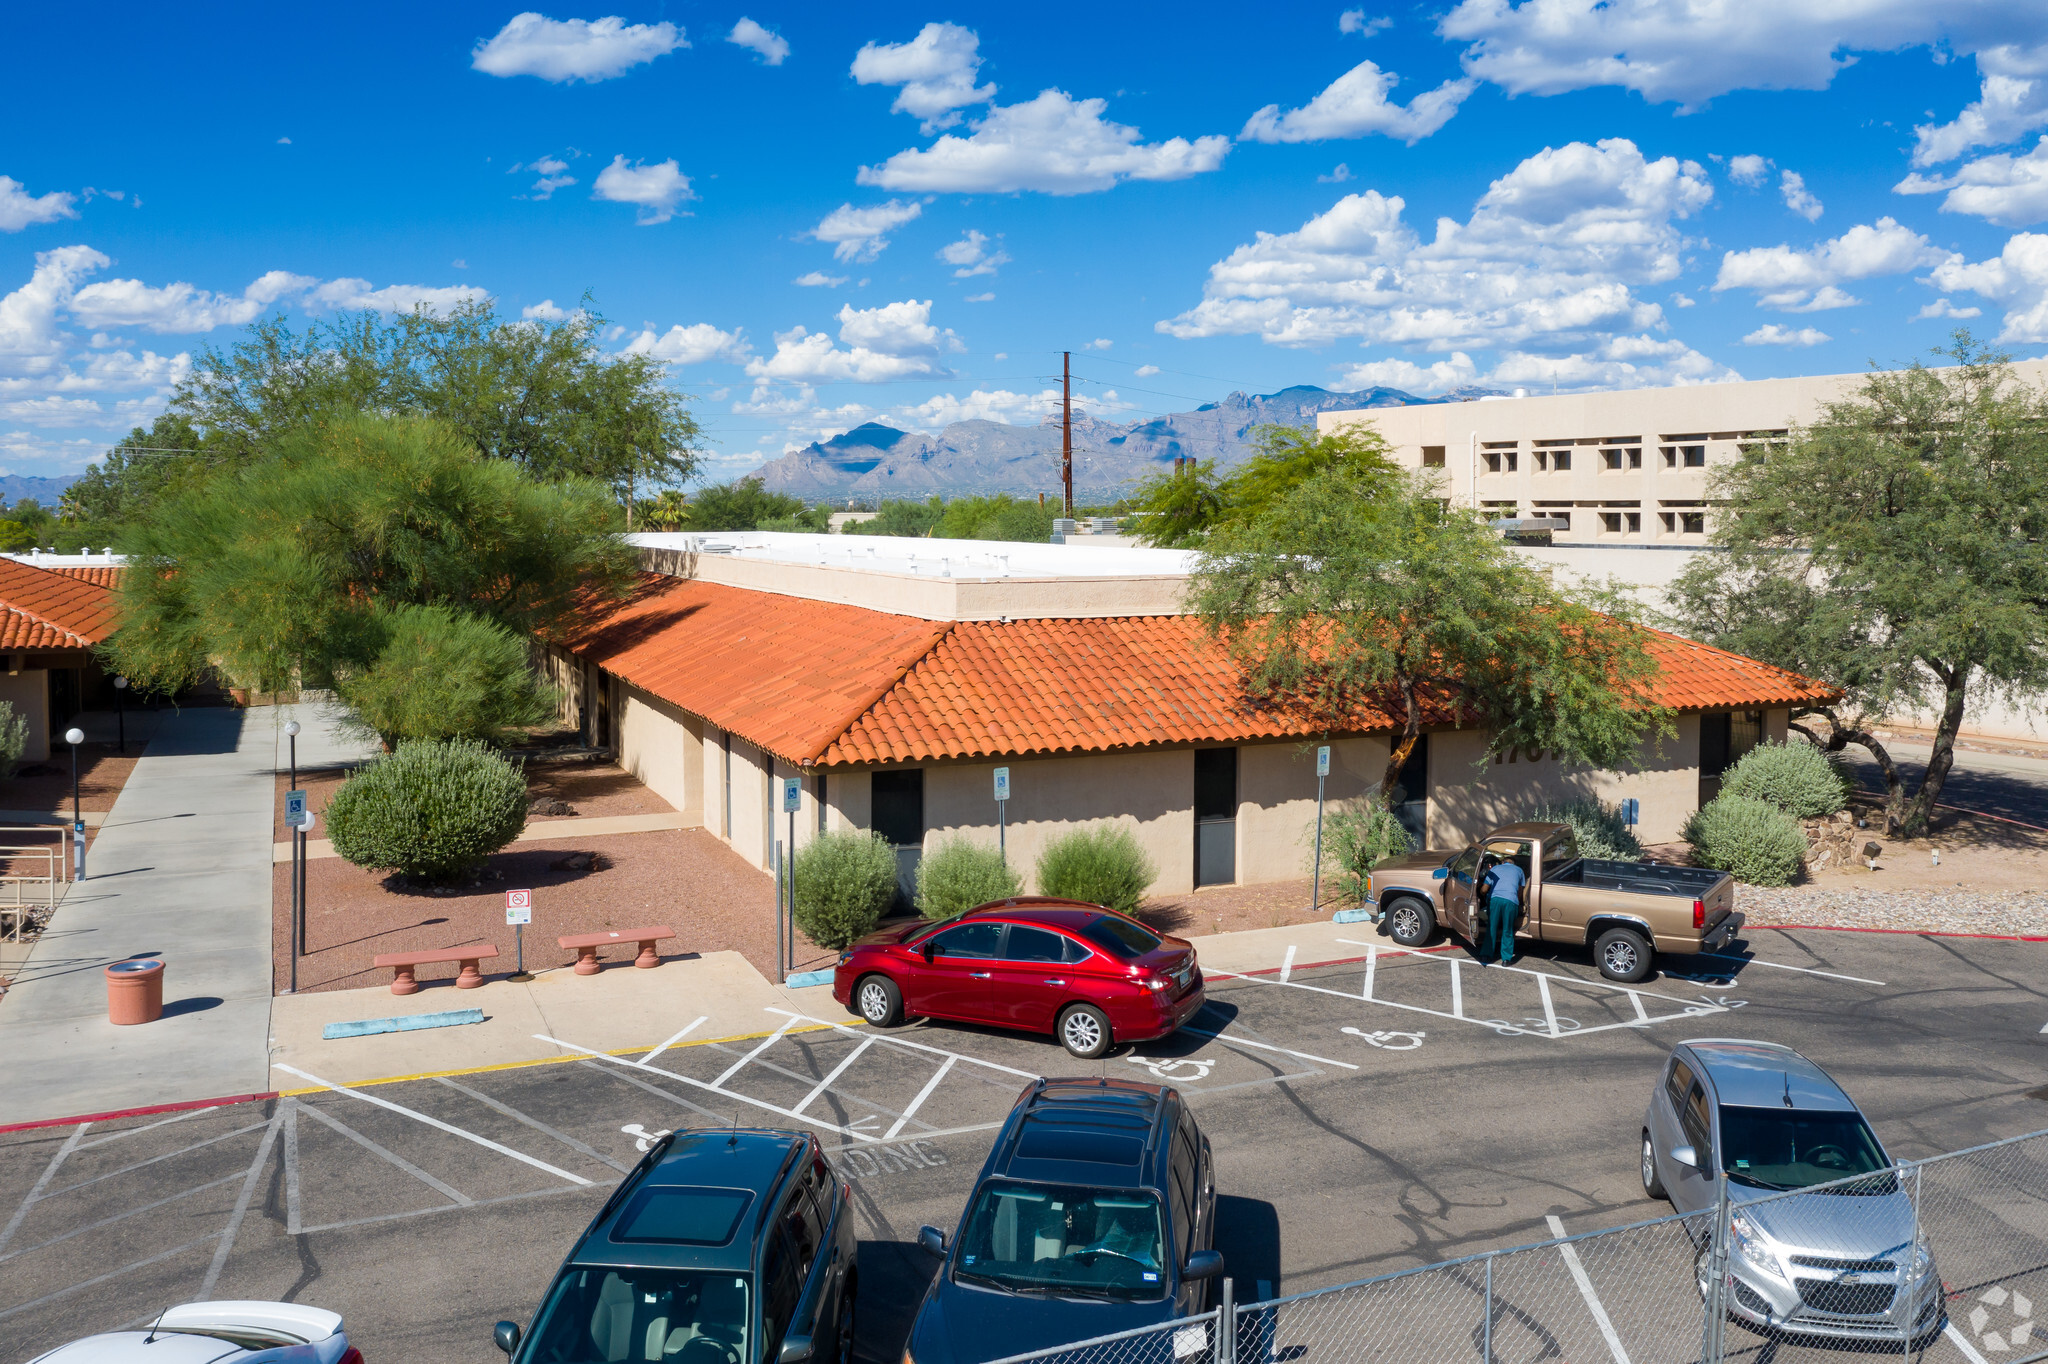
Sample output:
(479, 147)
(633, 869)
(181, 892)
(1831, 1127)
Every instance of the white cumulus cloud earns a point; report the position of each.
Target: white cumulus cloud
(935, 71)
(1355, 104)
(1942, 308)
(659, 190)
(19, 209)
(392, 298)
(181, 307)
(808, 357)
(972, 256)
(1797, 197)
(903, 328)
(2009, 190)
(861, 234)
(772, 47)
(2017, 277)
(1771, 334)
(1410, 377)
(532, 44)
(550, 169)
(1793, 280)
(691, 345)
(546, 311)
(1054, 144)
(2012, 103)
(818, 279)
(1750, 170)
(1355, 21)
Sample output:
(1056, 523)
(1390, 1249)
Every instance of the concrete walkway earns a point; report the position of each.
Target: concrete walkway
(181, 869)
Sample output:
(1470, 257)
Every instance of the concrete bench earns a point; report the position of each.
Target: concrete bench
(585, 946)
(406, 983)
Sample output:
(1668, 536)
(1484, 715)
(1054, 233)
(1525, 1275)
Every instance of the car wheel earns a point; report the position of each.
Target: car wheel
(847, 1296)
(1084, 1031)
(1623, 955)
(1652, 1185)
(1411, 922)
(878, 1000)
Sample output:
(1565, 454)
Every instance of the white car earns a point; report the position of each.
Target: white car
(220, 1333)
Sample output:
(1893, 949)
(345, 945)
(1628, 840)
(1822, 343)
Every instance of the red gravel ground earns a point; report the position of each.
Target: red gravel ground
(684, 878)
(1227, 909)
(593, 789)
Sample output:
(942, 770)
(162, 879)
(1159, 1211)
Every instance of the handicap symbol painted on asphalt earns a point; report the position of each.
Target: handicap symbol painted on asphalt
(1169, 1067)
(1390, 1041)
(1713, 1004)
(642, 1138)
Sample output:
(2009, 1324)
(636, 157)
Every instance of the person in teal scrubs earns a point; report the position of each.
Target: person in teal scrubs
(1502, 887)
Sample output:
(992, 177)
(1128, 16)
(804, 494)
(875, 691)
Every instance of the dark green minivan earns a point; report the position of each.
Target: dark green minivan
(723, 1246)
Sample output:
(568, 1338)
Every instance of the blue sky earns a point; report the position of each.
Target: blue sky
(1555, 193)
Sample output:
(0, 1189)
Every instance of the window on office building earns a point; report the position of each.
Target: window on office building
(1611, 522)
(1693, 523)
(1560, 460)
(1432, 456)
(1635, 524)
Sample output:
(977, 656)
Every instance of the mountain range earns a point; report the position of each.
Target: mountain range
(46, 491)
(875, 461)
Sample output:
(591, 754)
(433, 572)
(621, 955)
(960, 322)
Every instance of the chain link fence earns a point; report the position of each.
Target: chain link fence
(1941, 1260)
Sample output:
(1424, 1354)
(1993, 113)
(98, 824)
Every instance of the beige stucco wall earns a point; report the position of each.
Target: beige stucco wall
(28, 692)
(1276, 802)
(1468, 800)
(662, 747)
(849, 800)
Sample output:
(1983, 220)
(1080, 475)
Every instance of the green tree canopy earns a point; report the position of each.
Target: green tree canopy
(1177, 510)
(292, 572)
(540, 395)
(1352, 591)
(740, 505)
(1896, 549)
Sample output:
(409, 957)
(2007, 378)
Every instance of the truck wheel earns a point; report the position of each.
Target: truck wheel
(1652, 1185)
(1411, 922)
(1623, 955)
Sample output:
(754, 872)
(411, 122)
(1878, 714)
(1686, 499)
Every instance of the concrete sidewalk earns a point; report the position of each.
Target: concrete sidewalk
(181, 869)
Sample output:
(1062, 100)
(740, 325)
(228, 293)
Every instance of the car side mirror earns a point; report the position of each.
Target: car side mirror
(1685, 1155)
(1440, 873)
(796, 1349)
(933, 1241)
(1202, 1264)
(506, 1336)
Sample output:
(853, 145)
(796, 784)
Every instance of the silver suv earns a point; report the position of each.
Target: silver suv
(1845, 1260)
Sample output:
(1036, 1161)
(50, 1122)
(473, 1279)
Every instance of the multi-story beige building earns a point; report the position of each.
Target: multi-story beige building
(1620, 479)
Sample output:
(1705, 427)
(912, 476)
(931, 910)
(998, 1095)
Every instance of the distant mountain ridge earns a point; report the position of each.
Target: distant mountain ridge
(980, 456)
(46, 491)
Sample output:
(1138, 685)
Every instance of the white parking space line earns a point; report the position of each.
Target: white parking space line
(1962, 1343)
(1287, 966)
(1780, 966)
(770, 1040)
(922, 1095)
(707, 1088)
(1234, 1040)
(906, 1042)
(1457, 990)
(835, 1073)
(151, 1127)
(117, 1273)
(49, 1173)
(234, 1226)
(439, 1186)
(1372, 961)
(537, 1125)
(168, 1155)
(1549, 1008)
(649, 1057)
(449, 1128)
(124, 1215)
(1593, 1304)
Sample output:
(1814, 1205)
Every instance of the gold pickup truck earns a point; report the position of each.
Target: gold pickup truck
(1628, 911)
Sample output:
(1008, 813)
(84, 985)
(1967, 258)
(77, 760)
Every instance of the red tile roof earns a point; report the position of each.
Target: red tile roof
(44, 609)
(819, 682)
(106, 575)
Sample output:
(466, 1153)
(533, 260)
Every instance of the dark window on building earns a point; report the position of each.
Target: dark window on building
(1635, 459)
(1695, 456)
(1493, 461)
(1635, 524)
(1694, 523)
(1215, 816)
(821, 802)
(1432, 456)
(1561, 460)
(1611, 458)
(1611, 521)
(1413, 781)
(896, 813)
(1724, 738)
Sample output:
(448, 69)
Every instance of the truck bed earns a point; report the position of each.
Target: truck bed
(1638, 878)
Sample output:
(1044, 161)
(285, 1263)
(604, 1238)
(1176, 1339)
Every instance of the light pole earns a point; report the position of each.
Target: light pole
(75, 736)
(291, 732)
(121, 710)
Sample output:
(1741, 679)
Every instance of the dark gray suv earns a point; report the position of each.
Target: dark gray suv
(731, 1246)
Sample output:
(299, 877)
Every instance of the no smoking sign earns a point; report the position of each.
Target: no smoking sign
(518, 906)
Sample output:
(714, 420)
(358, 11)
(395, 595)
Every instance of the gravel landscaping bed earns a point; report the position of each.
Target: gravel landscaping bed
(1993, 913)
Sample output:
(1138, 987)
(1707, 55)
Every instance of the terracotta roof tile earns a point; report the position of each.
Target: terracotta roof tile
(51, 610)
(815, 681)
(106, 575)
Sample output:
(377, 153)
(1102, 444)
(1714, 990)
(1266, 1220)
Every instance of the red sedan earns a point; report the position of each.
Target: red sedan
(1088, 975)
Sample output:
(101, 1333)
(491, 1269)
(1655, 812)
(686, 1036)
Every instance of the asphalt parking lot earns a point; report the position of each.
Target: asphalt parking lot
(1368, 1116)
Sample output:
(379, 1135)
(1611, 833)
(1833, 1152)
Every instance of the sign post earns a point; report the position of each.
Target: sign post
(1322, 775)
(792, 797)
(294, 819)
(1631, 811)
(519, 913)
(1002, 814)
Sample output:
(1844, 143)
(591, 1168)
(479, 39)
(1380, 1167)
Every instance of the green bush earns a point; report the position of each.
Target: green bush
(1752, 840)
(1099, 866)
(844, 884)
(1598, 828)
(13, 738)
(1357, 836)
(958, 875)
(443, 674)
(1794, 776)
(434, 810)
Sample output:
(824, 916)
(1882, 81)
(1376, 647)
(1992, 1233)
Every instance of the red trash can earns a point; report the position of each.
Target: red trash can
(135, 992)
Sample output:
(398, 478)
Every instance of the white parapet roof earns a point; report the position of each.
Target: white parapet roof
(919, 557)
(43, 558)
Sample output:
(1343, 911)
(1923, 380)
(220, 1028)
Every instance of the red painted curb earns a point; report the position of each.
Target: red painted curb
(138, 1112)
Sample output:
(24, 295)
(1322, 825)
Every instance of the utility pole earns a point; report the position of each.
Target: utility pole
(1067, 429)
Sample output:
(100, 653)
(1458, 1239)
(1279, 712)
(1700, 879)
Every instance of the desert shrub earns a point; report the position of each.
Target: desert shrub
(434, 809)
(1598, 828)
(844, 884)
(13, 738)
(443, 674)
(1357, 836)
(958, 875)
(1100, 866)
(1752, 840)
(1794, 776)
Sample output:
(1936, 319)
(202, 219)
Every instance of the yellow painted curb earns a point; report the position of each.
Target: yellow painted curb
(557, 1060)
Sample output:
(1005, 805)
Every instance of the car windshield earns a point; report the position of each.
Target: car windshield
(1784, 1148)
(1065, 1241)
(597, 1315)
(1121, 937)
